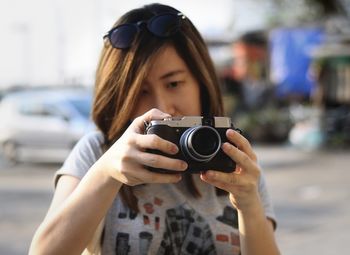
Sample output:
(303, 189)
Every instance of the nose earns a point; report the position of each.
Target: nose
(165, 104)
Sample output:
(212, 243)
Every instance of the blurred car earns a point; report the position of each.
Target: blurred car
(43, 125)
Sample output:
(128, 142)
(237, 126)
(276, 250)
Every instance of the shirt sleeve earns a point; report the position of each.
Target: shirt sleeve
(84, 154)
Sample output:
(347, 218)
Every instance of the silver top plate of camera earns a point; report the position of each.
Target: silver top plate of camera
(191, 121)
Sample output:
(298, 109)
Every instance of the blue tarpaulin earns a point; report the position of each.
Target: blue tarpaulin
(290, 59)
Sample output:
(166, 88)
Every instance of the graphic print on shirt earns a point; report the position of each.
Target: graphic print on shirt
(145, 242)
(123, 215)
(229, 217)
(186, 232)
(122, 244)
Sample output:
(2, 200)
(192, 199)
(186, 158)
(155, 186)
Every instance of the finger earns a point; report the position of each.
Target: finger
(241, 142)
(221, 180)
(240, 157)
(153, 177)
(153, 141)
(154, 114)
(159, 161)
(142, 175)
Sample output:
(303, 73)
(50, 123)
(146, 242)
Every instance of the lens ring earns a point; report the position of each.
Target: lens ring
(121, 37)
(164, 25)
(188, 145)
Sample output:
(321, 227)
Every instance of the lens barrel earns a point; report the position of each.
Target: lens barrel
(200, 143)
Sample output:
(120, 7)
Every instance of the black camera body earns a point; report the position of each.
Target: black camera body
(199, 140)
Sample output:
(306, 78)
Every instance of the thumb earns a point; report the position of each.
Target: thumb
(154, 114)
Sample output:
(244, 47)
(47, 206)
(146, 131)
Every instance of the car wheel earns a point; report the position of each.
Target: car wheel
(9, 150)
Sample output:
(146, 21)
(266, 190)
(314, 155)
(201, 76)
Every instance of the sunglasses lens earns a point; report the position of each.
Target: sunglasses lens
(122, 36)
(164, 25)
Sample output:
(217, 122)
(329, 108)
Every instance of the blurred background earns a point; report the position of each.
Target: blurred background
(284, 68)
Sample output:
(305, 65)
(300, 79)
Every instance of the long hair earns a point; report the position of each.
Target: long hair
(121, 72)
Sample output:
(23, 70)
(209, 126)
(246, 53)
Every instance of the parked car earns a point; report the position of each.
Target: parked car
(43, 125)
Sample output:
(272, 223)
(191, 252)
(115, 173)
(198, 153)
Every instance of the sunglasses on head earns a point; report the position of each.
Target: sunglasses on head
(162, 25)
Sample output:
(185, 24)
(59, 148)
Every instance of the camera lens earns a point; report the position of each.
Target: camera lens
(204, 141)
(200, 143)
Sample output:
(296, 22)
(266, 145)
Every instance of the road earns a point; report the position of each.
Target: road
(311, 195)
(310, 191)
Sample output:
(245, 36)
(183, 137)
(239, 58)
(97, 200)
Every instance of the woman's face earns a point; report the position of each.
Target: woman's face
(169, 87)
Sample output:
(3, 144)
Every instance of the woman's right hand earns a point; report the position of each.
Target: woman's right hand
(127, 160)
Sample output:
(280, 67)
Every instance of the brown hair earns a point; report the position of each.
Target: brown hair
(120, 74)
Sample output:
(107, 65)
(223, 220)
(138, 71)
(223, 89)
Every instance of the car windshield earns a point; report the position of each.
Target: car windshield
(83, 105)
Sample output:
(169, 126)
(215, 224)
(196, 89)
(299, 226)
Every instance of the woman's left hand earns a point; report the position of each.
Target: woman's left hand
(242, 184)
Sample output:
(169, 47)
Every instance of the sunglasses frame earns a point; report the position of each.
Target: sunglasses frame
(180, 16)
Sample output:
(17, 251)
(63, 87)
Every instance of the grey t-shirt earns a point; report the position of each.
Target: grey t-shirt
(170, 220)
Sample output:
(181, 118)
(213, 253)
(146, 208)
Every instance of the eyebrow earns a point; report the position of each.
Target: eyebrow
(169, 74)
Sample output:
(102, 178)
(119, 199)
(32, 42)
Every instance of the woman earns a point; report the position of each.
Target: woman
(154, 65)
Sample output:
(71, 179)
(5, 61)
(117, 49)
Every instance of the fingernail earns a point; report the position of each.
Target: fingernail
(166, 115)
(210, 173)
(230, 132)
(226, 146)
(184, 165)
(174, 149)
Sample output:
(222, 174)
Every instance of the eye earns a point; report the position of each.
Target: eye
(173, 84)
(144, 91)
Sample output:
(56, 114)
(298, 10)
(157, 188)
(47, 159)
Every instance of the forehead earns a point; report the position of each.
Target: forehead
(167, 60)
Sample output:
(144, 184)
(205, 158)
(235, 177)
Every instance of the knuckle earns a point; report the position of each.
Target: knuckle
(154, 111)
(153, 160)
(129, 140)
(254, 157)
(154, 141)
(125, 156)
(252, 185)
(156, 179)
(123, 171)
(129, 182)
(245, 140)
(232, 179)
(139, 119)
(257, 173)
(245, 159)
(151, 113)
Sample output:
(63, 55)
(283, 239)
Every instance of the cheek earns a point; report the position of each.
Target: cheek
(140, 108)
(191, 102)
(197, 99)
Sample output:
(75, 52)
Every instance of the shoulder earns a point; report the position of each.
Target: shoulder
(93, 139)
(84, 154)
(90, 146)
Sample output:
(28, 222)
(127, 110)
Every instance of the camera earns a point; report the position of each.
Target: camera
(199, 140)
